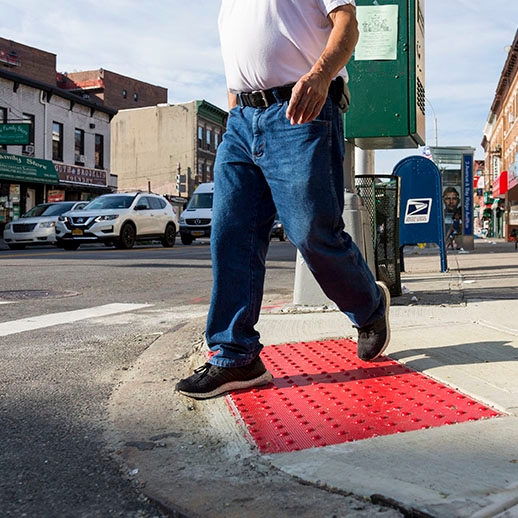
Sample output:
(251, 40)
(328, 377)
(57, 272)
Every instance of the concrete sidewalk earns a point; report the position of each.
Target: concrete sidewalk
(458, 327)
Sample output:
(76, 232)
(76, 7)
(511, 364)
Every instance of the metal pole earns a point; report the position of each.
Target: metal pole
(434, 123)
(307, 291)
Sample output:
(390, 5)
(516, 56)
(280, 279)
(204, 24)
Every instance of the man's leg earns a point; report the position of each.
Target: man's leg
(304, 168)
(243, 213)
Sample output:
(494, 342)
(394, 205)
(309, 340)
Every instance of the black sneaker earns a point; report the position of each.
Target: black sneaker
(374, 338)
(210, 380)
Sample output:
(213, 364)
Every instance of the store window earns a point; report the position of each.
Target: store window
(99, 151)
(57, 141)
(208, 139)
(79, 146)
(29, 148)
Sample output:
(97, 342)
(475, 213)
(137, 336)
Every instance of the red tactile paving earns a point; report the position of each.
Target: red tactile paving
(323, 394)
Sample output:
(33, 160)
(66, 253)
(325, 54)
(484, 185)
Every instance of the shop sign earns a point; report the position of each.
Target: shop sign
(81, 175)
(55, 195)
(26, 169)
(513, 214)
(467, 193)
(15, 134)
(500, 185)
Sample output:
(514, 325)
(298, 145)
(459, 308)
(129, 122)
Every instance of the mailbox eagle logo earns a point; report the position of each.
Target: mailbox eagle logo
(418, 210)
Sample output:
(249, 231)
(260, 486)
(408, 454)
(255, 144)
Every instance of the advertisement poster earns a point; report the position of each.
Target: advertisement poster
(14, 193)
(452, 210)
(55, 195)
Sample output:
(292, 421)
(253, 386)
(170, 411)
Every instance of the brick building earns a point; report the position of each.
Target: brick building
(65, 152)
(36, 64)
(500, 143)
(111, 89)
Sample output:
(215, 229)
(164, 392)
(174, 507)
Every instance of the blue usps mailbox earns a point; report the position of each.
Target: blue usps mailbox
(421, 218)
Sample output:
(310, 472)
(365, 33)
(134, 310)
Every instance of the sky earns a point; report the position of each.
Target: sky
(175, 44)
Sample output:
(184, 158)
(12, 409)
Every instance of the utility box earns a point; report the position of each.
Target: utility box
(386, 76)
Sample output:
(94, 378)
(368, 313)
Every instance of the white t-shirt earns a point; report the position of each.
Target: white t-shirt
(267, 43)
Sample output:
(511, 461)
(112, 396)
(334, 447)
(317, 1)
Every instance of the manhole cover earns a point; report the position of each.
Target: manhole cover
(35, 294)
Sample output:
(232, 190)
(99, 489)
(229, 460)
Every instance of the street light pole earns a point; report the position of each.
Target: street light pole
(434, 123)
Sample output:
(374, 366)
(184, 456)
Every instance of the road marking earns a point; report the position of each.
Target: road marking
(39, 322)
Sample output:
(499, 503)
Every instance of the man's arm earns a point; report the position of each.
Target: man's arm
(310, 92)
(232, 100)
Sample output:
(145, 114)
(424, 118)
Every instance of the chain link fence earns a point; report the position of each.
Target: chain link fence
(380, 195)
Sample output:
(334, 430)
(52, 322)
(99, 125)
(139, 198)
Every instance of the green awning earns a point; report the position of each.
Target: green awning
(26, 169)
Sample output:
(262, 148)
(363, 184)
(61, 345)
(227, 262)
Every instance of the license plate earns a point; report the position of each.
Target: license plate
(77, 232)
(198, 233)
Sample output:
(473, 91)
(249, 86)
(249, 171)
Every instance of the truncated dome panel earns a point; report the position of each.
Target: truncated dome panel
(323, 394)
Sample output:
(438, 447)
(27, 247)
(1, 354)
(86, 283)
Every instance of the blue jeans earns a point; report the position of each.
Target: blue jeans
(264, 165)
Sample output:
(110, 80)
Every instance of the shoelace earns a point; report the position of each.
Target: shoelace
(203, 370)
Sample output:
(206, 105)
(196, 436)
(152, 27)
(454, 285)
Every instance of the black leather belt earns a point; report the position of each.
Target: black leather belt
(279, 94)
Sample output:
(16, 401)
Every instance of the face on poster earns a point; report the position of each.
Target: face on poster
(451, 203)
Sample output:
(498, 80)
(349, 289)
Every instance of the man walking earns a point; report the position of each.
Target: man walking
(282, 152)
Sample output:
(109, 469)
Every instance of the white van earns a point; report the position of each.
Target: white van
(196, 219)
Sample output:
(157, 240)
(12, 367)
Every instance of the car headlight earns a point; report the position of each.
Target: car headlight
(182, 219)
(8, 226)
(106, 217)
(62, 218)
(47, 224)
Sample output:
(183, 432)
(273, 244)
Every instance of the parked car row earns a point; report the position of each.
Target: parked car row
(119, 219)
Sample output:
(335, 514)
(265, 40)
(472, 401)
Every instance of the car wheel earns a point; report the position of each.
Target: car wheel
(186, 239)
(127, 236)
(70, 246)
(169, 238)
(16, 247)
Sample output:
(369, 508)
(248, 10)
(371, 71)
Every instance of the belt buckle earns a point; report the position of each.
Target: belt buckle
(262, 93)
(265, 100)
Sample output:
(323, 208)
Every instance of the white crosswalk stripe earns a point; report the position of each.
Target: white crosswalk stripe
(66, 317)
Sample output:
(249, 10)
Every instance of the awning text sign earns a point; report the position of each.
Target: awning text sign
(26, 169)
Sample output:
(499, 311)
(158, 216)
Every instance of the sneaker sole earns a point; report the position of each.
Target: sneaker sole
(263, 379)
(386, 295)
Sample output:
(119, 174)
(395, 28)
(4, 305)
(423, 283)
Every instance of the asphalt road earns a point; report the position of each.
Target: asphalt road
(71, 323)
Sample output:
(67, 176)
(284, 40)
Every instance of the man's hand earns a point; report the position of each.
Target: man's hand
(307, 98)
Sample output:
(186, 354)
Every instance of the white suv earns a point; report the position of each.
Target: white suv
(120, 219)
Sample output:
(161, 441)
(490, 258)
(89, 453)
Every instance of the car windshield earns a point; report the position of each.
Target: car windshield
(48, 209)
(111, 202)
(201, 201)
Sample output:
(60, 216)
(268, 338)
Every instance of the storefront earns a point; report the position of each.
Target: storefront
(82, 183)
(24, 182)
(512, 197)
(500, 188)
